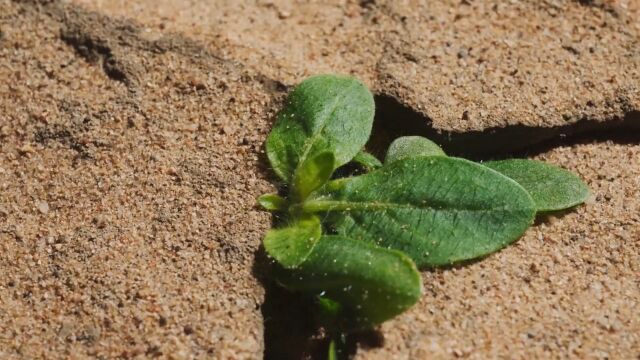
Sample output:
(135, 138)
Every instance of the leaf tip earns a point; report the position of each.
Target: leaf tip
(272, 202)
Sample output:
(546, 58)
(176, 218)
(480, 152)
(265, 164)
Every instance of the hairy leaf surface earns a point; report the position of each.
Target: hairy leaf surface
(552, 188)
(367, 161)
(291, 245)
(370, 283)
(272, 202)
(410, 146)
(438, 210)
(323, 113)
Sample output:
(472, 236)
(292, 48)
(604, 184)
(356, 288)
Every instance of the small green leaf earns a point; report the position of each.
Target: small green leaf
(409, 146)
(272, 202)
(552, 188)
(367, 161)
(313, 173)
(323, 113)
(291, 245)
(328, 308)
(370, 283)
(438, 210)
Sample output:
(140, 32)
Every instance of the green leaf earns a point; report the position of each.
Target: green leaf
(291, 245)
(328, 308)
(552, 188)
(323, 113)
(272, 202)
(313, 173)
(438, 210)
(367, 161)
(370, 283)
(410, 146)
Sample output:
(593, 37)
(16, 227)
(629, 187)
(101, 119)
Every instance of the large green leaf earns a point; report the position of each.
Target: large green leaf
(552, 188)
(323, 113)
(291, 245)
(410, 146)
(438, 210)
(370, 283)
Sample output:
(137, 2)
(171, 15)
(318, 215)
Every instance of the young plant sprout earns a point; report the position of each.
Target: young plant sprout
(356, 243)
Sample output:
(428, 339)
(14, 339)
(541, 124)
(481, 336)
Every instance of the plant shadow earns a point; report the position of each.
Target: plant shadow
(288, 324)
(394, 119)
(290, 327)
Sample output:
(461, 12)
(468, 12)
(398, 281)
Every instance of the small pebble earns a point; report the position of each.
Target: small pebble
(43, 207)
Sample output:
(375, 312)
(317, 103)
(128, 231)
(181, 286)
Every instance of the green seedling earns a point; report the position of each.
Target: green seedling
(551, 187)
(356, 243)
(411, 146)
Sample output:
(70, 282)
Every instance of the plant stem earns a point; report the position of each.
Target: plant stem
(332, 353)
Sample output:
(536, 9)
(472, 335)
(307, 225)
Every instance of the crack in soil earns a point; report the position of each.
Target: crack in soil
(394, 119)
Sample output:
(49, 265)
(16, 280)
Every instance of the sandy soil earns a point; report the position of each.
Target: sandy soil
(465, 65)
(131, 153)
(128, 224)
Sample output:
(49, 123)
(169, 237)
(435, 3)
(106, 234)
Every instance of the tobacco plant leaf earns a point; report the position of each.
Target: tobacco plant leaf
(552, 188)
(291, 245)
(438, 210)
(411, 146)
(370, 283)
(323, 113)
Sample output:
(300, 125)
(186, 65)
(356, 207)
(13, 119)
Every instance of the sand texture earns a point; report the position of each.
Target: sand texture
(530, 70)
(128, 177)
(132, 150)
